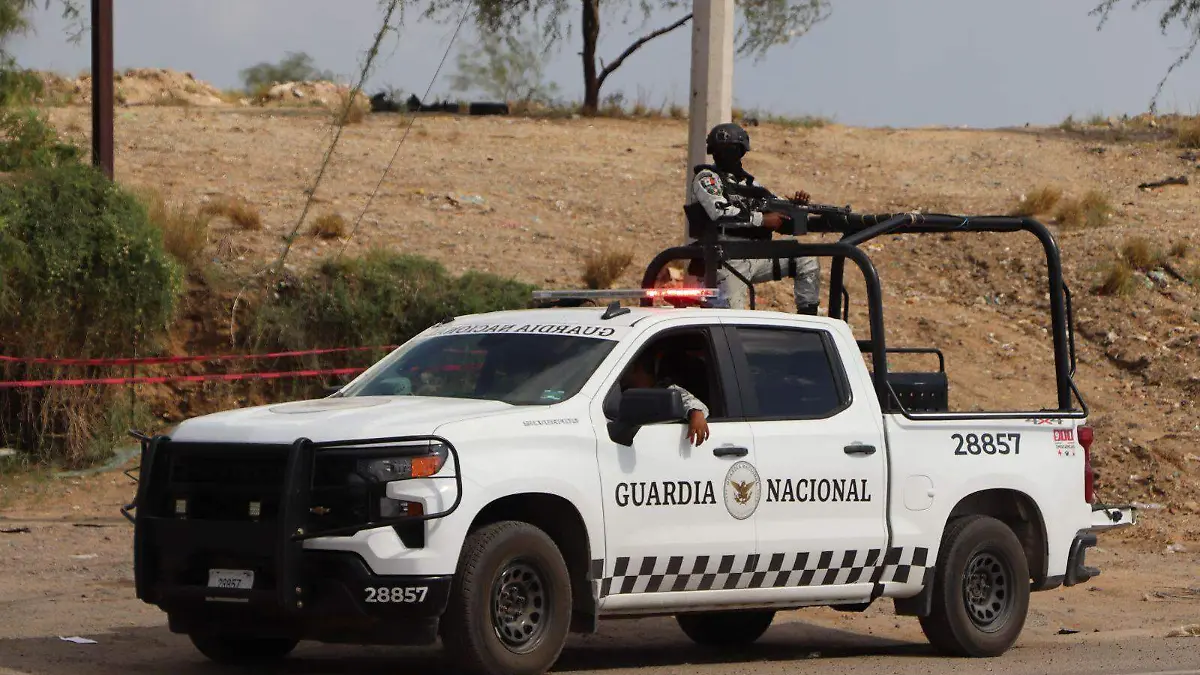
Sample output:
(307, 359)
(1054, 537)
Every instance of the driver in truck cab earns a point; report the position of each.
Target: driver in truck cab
(727, 192)
(640, 375)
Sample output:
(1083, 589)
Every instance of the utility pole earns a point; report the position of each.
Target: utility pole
(712, 77)
(102, 85)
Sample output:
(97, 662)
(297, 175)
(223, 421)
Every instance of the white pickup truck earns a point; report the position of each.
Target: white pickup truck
(492, 482)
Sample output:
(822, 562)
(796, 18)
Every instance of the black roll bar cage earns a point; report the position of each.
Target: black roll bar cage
(857, 229)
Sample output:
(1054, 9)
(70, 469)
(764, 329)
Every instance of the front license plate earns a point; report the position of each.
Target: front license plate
(235, 579)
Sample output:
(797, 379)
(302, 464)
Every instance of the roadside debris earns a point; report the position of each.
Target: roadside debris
(1173, 594)
(78, 640)
(1170, 180)
(1066, 631)
(15, 530)
(1191, 630)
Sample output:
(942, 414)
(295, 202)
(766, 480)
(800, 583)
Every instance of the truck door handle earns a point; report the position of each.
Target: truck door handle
(859, 449)
(730, 451)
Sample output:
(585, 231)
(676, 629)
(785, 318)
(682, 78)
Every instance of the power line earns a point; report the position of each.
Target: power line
(411, 119)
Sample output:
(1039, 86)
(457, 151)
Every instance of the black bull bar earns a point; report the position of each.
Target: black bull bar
(276, 540)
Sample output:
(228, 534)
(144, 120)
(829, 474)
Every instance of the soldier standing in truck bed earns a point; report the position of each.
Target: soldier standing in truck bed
(727, 193)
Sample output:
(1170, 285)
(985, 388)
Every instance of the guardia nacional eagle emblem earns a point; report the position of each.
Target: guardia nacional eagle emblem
(743, 490)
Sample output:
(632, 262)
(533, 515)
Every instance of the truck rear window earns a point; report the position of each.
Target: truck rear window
(792, 374)
(521, 369)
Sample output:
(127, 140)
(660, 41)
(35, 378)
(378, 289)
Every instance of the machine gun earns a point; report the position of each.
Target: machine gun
(797, 215)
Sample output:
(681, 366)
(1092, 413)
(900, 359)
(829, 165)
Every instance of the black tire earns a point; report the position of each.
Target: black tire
(242, 651)
(726, 629)
(510, 602)
(980, 590)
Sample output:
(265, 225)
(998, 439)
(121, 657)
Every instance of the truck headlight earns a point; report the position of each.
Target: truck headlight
(427, 463)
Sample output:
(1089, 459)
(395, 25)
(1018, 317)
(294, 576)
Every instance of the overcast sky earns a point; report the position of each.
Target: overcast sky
(982, 63)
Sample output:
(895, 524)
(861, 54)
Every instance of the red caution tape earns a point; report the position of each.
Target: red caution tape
(218, 377)
(151, 360)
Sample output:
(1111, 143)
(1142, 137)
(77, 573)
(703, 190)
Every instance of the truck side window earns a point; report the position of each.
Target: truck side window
(685, 358)
(793, 374)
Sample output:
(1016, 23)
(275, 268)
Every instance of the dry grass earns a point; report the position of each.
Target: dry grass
(601, 270)
(1038, 201)
(184, 231)
(1140, 254)
(1188, 133)
(612, 110)
(237, 210)
(348, 112)
(1092, 210)
(261, 94)
(1180, 249)
(677, 112)
(1118, 279)
(329, 226)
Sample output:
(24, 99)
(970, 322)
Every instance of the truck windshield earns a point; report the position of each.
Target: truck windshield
(519, 369)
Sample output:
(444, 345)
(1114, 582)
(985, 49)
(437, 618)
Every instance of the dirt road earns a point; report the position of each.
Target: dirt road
(70, 575)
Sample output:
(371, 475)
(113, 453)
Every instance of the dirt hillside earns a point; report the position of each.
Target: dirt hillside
(529, 198)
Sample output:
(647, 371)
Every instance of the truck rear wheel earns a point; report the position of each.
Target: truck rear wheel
(510, 602)
(242, 651)
(726, 629)
(981, 589)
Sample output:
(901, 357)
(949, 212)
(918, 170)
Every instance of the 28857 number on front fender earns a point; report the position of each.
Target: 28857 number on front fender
(397, 594)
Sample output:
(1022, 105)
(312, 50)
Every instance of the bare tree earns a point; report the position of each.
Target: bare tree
(766, 23)
(1185, 13)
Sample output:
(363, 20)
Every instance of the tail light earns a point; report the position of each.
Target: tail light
(1086, 436)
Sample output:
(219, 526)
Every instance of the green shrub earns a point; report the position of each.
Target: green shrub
(84, 275)
(19, 87)
(380, 298)
(27, 141)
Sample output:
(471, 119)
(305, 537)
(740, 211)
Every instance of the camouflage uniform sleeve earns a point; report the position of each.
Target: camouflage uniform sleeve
(690, 402)
(708, 190)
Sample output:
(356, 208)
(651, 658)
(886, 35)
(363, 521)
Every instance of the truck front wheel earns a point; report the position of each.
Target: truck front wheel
(981, 589)
(726, 629)
(510, 602)
(242, 651)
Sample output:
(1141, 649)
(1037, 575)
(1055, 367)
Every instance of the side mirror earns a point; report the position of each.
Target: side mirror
(639, 407)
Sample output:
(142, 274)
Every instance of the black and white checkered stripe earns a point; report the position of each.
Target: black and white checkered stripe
(659, 574)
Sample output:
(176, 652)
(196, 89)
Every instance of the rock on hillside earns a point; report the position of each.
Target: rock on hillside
(164, 87)
(322, 92)
(143, 86)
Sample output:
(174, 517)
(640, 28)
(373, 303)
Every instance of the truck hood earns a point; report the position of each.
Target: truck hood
(336, 419)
